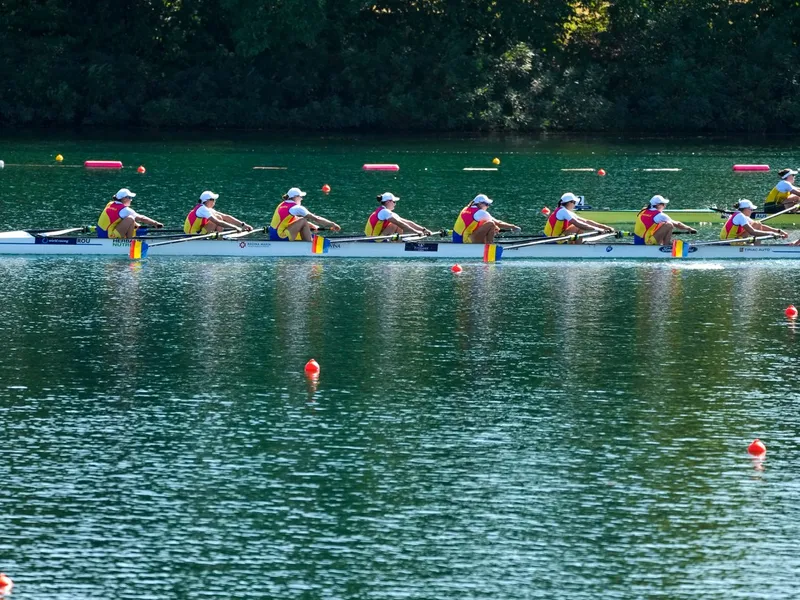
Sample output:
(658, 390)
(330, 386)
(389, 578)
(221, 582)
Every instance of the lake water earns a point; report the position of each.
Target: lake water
(521, 430)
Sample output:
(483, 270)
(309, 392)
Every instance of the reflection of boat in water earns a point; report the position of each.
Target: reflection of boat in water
(20, 242)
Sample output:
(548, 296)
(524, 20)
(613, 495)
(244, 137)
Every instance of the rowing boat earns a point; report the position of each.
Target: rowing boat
(688, 216)
(21, 242)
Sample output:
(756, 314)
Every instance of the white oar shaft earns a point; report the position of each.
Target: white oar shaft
(60, 232)
(216, 234)
(242, 234)
(748, 240)
(778, 214)
(572, 236)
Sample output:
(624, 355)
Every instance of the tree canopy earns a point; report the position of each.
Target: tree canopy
(530, 65)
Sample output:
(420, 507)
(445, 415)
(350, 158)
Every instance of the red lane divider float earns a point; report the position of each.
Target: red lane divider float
(103, 164)
(380, 167)
(741, 168)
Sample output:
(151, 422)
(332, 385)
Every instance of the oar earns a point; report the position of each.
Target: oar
(571, 237)
(591, 240)
(747, 240)
(394, 236)
(778, 214)
(422, 236)
(215, 235)
(82, 229)
(242, 234)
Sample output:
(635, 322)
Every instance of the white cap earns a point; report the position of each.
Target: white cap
(789, 174)
(124, 193)
(568, 197)
(482, 199)
(656, 200)
(746, 204)
(386, 196)
(295, 192)
(208, 195)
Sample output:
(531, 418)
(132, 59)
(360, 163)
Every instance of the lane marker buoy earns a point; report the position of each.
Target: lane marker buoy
(757, 448)
(312, 367)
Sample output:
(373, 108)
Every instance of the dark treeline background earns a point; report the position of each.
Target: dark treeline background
(624, 65)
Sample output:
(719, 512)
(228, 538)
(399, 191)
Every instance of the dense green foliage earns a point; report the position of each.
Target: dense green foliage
(623, 65)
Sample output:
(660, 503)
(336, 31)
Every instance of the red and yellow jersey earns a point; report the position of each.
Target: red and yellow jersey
(375, 225)
(281, 219)
(109, 219)
(731, 231)
(645, 227)
(193, 223)
(465, 225)
(555, 227)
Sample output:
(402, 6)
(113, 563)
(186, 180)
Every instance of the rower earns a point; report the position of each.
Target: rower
(384, 221)
(654, 227)
(784, 194)
(204, 219)
(476, 226)
(294, 222)
(740, 225)
(118, 220)
(563, 221)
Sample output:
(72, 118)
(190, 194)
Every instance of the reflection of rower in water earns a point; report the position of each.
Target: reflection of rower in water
(293, 222)
(784, 194)
(204, 219)
(740, 225)
(118, 220)
(384, 221)
(563, 221)
(654, 226)
(475, 225)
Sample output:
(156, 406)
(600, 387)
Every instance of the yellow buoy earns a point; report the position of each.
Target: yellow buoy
(496, 161)
(59, 158)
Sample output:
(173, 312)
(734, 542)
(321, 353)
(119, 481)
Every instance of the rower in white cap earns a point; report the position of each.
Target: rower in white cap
(294, 222)
(384, 221)
(654, 227)
(563, 221)
(203, 218)
(740, 225)
(784, 194)
(475, 225)
(119, 220)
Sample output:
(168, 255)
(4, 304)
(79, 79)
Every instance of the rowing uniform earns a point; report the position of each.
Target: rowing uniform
(647, 223)
(467, 222)
(777, 196)
(285, 214)
(197, 219)
(734, 227)
(558, 222)
(112, 216)
(377, 221)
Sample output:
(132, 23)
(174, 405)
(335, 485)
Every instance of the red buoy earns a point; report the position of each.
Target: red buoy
(326, 188)
(757, 448)
(141, 169)
(546, 211)
(601, 172)
(790, 312)
(5, 584)
(456, 268)
(312, 367)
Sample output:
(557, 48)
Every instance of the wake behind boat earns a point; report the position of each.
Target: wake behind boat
(28, 243)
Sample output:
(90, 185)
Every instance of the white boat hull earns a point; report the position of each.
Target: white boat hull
(20, 242)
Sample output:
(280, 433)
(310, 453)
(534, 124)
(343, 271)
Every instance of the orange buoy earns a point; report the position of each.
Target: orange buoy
(312, 367)
(326, 188)
(141, 169)
(6, 583)
(790, 312)
(456, 268)
(601, 172)
(546, 211)
(757, 448)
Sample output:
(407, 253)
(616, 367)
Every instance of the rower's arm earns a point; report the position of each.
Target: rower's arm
(408, 224)
(148, 221)
(757, 228)
(684, 227)
(588, 225)
(323, 221)
(504, 225)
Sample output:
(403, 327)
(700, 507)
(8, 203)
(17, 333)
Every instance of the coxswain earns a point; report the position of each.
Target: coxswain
(740, 225)
(384, 221)
(654, 227)
(203, 218)
(784, 194)
(475, 225)
(563, 221)
(118, 220)
(292, 221)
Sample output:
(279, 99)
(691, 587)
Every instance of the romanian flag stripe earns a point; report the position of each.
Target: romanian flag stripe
(491, 253)
(138, 249)
(319, 245)
(679, 249)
